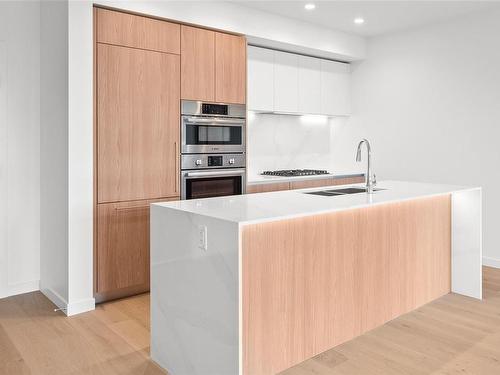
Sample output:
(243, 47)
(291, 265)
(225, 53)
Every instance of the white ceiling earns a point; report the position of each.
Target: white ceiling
(381, 17)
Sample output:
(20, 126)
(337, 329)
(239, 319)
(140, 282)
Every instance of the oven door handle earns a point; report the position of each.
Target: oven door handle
(233, 122)
(231, 172)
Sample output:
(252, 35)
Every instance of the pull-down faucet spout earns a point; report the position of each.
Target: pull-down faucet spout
(370, 180)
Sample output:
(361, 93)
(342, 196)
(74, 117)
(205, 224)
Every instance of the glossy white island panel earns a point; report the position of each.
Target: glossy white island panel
(194, 293)
(196, 263)
(466, 243)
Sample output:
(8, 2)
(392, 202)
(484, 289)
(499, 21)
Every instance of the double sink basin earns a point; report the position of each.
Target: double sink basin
(342, 191)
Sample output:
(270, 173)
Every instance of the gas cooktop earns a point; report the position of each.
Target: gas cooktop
(294, 172)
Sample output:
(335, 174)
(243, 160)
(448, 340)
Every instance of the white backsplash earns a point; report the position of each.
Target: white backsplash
(290, 142)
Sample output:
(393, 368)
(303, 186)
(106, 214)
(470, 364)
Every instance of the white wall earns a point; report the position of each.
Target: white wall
(19, 147)
(291, 142)
(66, 153)
(429, 102)
(80, 141)
(54, 151)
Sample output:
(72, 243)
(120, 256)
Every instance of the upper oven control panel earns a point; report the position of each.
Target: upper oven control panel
(202, 161)
(197, 108)
(214, 109)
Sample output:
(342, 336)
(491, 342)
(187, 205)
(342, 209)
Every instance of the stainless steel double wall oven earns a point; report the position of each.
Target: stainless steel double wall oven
(212, 149)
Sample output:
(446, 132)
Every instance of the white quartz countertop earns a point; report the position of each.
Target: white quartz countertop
(262, 179)
(261, 207)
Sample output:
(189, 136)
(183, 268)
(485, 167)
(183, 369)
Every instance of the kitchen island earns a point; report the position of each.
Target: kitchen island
(255, 284)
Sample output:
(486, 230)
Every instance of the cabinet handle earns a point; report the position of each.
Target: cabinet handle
(176, 167)
(131, 208)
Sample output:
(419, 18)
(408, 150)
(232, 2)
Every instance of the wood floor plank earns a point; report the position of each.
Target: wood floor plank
(11, 361)
(130, 364)
(113, 339)
(103, 340)
(133, 333)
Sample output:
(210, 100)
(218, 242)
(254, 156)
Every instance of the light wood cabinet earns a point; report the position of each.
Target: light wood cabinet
(263, 188)
(325, 182)
(303, 184)
(197, 64)
(130, 30)
(213, 66)
(137, 124)
(286, 82)
(261, 79)
(142, 68)
(230, 68)
(123, 247)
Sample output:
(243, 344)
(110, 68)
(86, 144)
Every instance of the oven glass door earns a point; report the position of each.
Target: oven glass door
(208, 135)
(213, 135)
(208, 187)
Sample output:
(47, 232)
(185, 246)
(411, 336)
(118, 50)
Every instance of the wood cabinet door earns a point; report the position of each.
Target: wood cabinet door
(129, 30)
(230, 68)
(122, 246)
(304, 184)
(260, 79)
(286, 82)
(138, 95)
(325, 182)
(197, 64)
(264, 188)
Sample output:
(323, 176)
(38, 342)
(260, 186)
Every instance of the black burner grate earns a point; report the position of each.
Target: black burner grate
(294, 172)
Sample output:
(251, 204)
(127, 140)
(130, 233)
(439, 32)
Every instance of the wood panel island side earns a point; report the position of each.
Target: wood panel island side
(255, 284)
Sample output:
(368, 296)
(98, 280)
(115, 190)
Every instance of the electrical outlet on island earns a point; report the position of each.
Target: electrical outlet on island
(202, 237)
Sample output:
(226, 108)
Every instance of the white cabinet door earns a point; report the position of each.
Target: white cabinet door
(309, 85)
(286, 82)
(260, 79)
(335, 88)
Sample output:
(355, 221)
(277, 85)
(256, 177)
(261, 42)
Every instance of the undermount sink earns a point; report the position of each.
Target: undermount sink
(342, 191)
(351, 190)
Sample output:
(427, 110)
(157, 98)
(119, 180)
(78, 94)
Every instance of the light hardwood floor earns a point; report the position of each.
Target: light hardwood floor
(113, 339)
(452, 335)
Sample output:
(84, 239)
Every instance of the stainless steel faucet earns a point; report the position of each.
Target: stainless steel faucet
(370, 180)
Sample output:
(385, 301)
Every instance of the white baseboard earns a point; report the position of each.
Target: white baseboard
(19, 288)
(491, 262)
(72, 308)
(80, 306)
(56, 299)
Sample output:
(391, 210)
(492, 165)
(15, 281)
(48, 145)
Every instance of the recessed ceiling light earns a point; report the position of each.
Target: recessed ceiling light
(359, 21)
(309, 6)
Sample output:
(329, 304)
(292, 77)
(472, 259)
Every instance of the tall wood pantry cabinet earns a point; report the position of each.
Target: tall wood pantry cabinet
(142, 68)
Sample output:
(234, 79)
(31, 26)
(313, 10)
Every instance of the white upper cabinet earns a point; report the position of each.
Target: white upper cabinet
(260, 79)
(309, 85)
(289, 83)
(286, 82)
(335, 88)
